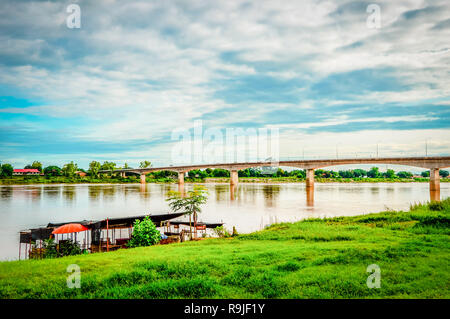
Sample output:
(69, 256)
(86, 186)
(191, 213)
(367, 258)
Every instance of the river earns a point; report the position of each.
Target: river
(250, 208)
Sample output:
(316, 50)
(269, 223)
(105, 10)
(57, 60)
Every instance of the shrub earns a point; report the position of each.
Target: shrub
(50, 248)
(144, 233)
(69, 248)
(436, 206)
(222, 232)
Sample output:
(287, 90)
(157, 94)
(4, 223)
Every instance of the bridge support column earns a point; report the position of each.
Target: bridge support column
(143, 179)
(310, 177)
(122, 175)
(435, 186)
(181, 178)
(234, 179)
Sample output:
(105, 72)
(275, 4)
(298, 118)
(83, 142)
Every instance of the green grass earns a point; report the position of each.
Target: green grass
(314, 258)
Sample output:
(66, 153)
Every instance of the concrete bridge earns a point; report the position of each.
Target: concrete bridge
(434, 164)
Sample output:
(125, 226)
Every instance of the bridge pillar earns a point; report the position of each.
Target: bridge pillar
(435, 185)
(122, 175)
(143, 179)
(234, 179)
(310, 177)
(181, 178)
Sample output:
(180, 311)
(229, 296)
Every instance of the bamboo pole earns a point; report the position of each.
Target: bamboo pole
(107, 234)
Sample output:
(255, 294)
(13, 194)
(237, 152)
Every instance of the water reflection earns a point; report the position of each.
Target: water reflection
(181, 189)
(310, 196)
(6, 193)
(246, 206)
(109, 191)
(94, 192)
(271, 194)
(221, 192)
(36, 194)
(69, 193)
(143, 188)
(233, 189)
(51, 192)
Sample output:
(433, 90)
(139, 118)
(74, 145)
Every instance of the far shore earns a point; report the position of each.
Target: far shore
(262, 180)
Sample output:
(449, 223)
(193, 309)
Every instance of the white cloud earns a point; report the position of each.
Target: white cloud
(140, 69)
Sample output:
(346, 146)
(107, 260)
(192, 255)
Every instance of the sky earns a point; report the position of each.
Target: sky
(319, 72)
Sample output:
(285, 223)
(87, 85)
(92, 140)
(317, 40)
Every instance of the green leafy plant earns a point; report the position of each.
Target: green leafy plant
(222, 232)
(189, 204)
(144, 233)
(69, 248)
(436, 206)
(50, 248)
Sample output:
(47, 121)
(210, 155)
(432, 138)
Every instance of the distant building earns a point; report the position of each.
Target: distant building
(80, 173)
(26, 171)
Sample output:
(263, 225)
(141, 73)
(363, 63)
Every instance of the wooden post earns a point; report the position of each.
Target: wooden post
(107, 234)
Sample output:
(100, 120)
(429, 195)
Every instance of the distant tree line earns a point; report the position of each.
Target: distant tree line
(71, 169)
(354, 173)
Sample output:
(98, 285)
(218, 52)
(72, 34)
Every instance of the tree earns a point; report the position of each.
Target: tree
(145, 164)
(164, 174)
(346, 174)
(108, 166)
(220, 172)
(125, 166)
(443, 173)
(359, 172)
(425, 174)
(7, 170)
(70, 169)
(190, 204)
(319, 172)
(145, 233)
(373, 173)
(404, 174)
(197, 173)
(36, 165)
(389, 173)
(52, 171)
(299, 173)
(94, 167)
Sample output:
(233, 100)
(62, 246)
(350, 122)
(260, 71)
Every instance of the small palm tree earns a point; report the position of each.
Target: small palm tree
(189, 204)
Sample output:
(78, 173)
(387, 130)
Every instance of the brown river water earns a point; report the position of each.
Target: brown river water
(249, 208)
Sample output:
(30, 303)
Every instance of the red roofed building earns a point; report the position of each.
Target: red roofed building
(26, 171)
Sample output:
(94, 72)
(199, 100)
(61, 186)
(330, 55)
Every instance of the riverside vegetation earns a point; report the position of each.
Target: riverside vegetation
(313, 258)
(70, 173)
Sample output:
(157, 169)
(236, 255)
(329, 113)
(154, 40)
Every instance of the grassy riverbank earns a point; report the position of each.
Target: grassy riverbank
(316, 258)
(28, 180)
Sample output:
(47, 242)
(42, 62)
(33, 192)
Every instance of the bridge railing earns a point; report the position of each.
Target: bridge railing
(344, 155)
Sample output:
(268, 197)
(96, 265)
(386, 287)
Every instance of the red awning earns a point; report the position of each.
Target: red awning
(69, 228)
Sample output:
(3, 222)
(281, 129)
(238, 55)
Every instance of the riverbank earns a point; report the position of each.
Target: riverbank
(315, 258)
(28, 180)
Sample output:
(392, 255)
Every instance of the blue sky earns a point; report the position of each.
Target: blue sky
(135, 71)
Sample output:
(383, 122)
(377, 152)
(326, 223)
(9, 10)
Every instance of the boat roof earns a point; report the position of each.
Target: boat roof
(116, 222)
